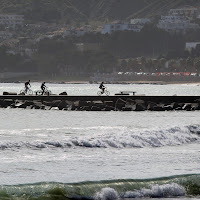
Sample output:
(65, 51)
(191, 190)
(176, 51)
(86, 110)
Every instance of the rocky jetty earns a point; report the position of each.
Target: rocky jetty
(117, 104)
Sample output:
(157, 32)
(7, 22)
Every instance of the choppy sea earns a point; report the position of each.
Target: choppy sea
(48, 154)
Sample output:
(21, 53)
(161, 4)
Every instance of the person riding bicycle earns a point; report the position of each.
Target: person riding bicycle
(27, 84)
(43, 87)
(102, 87)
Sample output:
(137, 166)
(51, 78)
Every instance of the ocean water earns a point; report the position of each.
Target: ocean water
(100, 155)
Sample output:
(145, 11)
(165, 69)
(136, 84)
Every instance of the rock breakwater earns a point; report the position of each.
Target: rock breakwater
(133, 103)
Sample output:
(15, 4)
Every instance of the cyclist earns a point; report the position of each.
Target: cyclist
(43, 87)
(102, 87)
(27, 84)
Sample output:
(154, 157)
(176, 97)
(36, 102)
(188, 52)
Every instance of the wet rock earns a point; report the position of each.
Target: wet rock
(168, 107)
(62, 105)
(187, 107)
(99, 104)
(151, 106)
(109, 103)
(85, 103)
(195, 106)
(120, 103)
(95, 108)
(135, 105)
(85, 108)
(55, 103)
(9, 93)
(126, 109)
(109, 108)
(63, 93)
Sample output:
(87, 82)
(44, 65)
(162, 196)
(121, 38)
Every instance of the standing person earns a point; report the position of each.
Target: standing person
(27, 84)
(102, 87)
(43, 87)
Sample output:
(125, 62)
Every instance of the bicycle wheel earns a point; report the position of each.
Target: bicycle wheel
(99, 93)
(38, 92)
(107, 92)
(48, 92)
(29, 92)
(22, 92)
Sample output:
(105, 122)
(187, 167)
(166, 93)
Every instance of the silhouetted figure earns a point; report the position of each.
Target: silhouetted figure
(43, 87)
(102, 87)
(27, 84)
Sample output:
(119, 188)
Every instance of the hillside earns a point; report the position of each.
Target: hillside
(66, 11)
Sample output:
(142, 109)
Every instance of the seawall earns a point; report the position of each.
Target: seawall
(102, 103)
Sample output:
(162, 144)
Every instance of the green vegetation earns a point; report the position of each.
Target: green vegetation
(104, 53)
(59, 57)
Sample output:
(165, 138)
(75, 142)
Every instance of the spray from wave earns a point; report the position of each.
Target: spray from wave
(123, 138)
(167, 187)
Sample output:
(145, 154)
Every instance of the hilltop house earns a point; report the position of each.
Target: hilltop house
(187, 11)
(11, 21)
(176, 24)
(110, 28)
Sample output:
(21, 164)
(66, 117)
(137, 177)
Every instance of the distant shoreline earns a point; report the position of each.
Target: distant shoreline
(107, 82)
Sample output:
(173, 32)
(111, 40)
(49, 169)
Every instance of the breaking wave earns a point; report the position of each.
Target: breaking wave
(125, 138)
(175, 186)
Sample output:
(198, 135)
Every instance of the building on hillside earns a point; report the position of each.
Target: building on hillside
(11, 21)
(191, 45)
(140, 21)
(173, 18)
(4, 35)
(110, 28)
(187, 11)
(76, 31)
(176, 24)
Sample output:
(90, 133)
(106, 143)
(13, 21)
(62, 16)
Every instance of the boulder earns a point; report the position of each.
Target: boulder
(63, 93)
(195, 106)
(85, 108)
(109, 108)
(62, 105)
(120, 103)
(55, 103)
(126, 109)
(95, 108)
(187, 107)
(151, 106)
(85, 103)
(109, 103)
(9, 93)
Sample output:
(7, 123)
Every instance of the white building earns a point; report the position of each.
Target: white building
(5, 35)
(173, 18)
(191, 45)
(76, 31)
(187, 11)
(141, 21)
(110, 28)
(176, 24)
(11, 20)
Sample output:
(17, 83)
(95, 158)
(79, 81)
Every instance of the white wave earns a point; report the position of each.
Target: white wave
(157, 191)
(117, 138)
(106, 194)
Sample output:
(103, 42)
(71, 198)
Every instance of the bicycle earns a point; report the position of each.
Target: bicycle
(46, 92)
(106, 92)
(26, 91)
